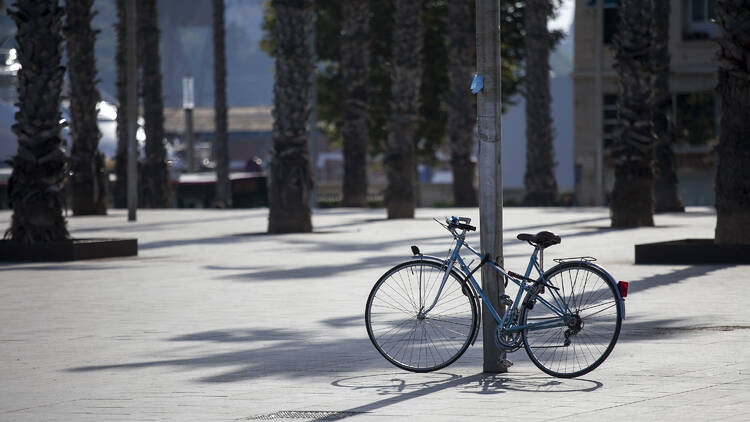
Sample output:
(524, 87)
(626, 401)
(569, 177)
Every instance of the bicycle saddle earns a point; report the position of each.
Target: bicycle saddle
(543, 239)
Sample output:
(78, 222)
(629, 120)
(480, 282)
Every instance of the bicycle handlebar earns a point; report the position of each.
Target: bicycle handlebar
(461, 223)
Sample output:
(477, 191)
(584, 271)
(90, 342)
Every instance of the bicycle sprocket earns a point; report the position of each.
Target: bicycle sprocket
(508, 342)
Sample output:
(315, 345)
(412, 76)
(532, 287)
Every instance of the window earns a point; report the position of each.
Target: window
(702, 11)
(611, 17)
(609, 119)
(611, 20)
(698, 19)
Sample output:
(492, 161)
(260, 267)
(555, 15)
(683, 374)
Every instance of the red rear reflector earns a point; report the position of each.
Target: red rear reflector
(623, 286)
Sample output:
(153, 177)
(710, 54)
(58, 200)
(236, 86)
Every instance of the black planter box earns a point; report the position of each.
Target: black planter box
(691, 251)
(67, 250)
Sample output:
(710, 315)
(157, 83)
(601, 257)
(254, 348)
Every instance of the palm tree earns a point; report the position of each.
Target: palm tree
(632, 202)
(39, 166)
(539, 181)
(290, 181)
(355, 58)
(459, 102)
(406, 70)
(120, 195)
(155, 178)
(89, 177)
(223, 184)
(733, 170)
(665, 185)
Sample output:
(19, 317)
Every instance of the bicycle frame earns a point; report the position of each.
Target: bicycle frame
(559, 307)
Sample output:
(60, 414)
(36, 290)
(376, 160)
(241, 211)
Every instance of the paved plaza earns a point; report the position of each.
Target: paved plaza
(215, 320)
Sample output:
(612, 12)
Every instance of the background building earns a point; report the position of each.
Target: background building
(692, 82)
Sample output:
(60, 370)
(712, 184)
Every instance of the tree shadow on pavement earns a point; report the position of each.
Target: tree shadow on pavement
(667, 329)
(341, 246)
(32, 266)
(261, 274)
(259, 353)
(289, 353)
(320, 271)
(552, 225)
(256, 353)
(673, 277)
(130, 227)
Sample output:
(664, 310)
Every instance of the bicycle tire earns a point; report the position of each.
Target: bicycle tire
(398, 333)
(591, 296)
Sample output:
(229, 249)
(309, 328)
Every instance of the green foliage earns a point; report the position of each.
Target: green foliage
(329, 78)
(695, 122)
(380, 75)
(268, 42)
(434, 87)
(432, 112)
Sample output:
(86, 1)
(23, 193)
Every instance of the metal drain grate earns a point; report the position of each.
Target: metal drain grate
(315, 415)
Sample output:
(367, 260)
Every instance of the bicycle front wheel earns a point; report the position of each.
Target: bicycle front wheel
(578, 341)
(400, 330)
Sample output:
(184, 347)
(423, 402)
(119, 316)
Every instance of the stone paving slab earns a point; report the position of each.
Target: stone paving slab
(214, 320)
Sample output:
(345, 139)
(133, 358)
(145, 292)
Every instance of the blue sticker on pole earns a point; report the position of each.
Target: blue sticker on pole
(477, 83)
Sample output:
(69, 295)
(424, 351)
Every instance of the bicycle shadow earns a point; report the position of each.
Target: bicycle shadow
(400, 387)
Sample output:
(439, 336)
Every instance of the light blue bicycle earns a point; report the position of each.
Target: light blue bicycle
(423, 314)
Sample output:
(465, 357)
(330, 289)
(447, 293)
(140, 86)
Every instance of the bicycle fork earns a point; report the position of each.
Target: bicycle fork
(448, 266)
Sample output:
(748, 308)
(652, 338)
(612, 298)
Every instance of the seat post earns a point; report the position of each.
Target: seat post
(541, 258)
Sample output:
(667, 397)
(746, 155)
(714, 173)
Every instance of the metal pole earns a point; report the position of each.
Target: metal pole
(490, 172)
(312, 139)
(312, 144)
(188, 102)
(132, 109)
(190, 140)
(599, 106)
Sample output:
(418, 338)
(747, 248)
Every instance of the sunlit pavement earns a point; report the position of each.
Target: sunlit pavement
(215, 320)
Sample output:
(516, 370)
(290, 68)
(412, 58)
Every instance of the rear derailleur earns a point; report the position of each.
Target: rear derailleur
(575, 325)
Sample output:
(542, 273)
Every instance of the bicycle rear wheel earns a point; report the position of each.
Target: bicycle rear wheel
(409, 340)
(589, 330)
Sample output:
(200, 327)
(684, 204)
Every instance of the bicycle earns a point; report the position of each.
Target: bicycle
(423, 314)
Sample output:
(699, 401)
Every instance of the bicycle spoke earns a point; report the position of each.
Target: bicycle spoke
(449, 322)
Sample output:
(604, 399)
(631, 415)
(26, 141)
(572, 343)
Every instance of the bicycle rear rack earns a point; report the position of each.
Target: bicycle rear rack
(575, 258)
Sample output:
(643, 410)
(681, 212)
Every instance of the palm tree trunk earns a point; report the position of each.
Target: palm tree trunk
(539, 180)
(355, 55)
(120, 196)
(223, 184)
(155, 178)
(632, 202)
(665, 185)
(89, 177)
(459, 125)
(406, 71)
(290, 181)
(732, 182)
(39, 166)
